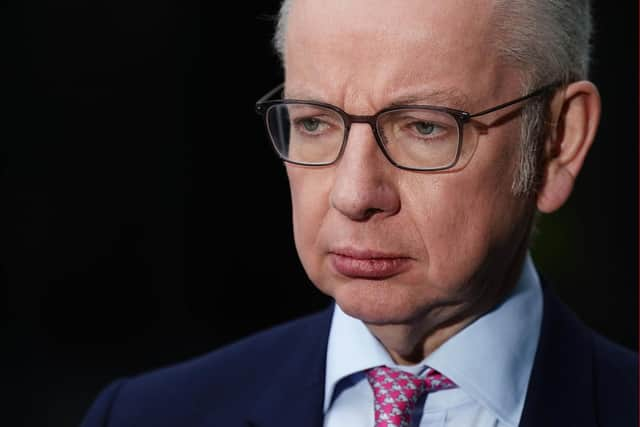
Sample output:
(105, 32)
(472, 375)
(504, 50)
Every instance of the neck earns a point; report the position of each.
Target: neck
(409, 344)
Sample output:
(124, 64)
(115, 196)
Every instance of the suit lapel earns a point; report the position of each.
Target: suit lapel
(561, 388)
(296, 396)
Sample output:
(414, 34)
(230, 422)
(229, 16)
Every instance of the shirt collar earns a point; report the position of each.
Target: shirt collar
(490, 360)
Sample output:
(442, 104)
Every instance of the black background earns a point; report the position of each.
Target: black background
(142, 224)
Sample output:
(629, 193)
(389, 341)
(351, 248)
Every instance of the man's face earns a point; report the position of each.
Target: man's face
(392, 245)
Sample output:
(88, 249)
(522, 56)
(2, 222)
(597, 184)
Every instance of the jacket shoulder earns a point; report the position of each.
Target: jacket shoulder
(214, 385)
(579, 377)
(616, 378)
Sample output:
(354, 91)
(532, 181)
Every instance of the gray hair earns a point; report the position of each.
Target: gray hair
(548, 40)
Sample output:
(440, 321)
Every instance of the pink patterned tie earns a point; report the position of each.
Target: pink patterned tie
(397, 392)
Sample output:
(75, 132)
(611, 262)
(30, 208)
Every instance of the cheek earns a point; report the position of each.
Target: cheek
(462, 219)
(309, 201)
(449, 234)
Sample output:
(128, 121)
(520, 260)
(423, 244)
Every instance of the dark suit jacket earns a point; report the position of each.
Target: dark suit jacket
(276, 378)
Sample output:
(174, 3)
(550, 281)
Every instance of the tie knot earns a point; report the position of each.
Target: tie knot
(396, 393)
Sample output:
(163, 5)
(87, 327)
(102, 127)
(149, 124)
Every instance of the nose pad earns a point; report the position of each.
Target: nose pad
(363, 185)
(369, 141)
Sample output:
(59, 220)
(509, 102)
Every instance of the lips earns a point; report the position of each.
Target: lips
(366, 264)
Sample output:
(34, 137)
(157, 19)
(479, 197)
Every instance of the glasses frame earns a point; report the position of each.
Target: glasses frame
(264, 104)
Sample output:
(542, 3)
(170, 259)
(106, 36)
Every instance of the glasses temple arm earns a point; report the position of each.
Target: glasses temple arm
(271, 93)
(515, 101)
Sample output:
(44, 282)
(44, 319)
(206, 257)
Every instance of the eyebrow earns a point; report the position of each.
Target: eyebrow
(450, 97)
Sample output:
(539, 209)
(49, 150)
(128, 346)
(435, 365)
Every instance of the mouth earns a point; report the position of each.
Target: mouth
(371, 265)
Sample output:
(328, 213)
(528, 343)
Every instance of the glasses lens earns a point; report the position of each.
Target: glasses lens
(305, 133)
(420, 138)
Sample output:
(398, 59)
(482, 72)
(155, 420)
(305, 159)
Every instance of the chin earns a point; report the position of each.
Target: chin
(377, 302)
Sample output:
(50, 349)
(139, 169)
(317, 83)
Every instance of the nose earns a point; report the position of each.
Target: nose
(364, 184)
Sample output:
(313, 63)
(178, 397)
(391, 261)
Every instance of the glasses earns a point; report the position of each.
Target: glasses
(412, 137)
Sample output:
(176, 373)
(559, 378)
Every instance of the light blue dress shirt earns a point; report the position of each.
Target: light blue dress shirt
(490, 360)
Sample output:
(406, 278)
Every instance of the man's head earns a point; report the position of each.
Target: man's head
(546, 40)
(428, 249)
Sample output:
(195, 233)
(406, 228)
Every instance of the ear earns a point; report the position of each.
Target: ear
(575, 113)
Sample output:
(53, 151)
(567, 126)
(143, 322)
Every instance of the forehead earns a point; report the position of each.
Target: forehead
(387, 18)
(384, 45)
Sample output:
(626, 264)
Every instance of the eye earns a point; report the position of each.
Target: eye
(310, 124)
(419, 125)
(313, 125)
(425, 128)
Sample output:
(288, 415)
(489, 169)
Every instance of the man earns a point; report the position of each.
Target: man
(420, 138)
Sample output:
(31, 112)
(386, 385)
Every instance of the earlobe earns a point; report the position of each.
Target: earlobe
(576, 113)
